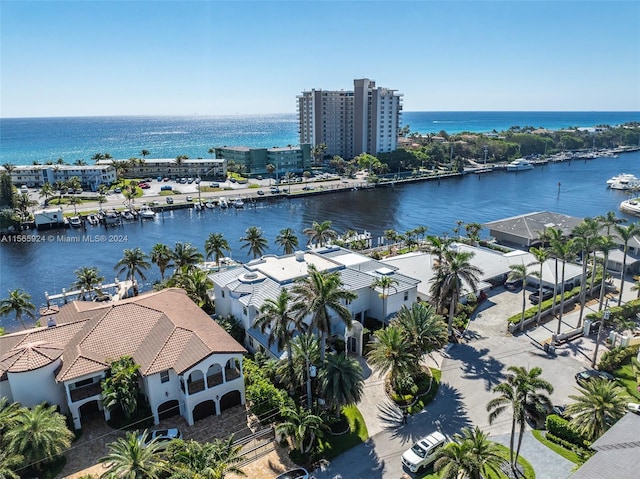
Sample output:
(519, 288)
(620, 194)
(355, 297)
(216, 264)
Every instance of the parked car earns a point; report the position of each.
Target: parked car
(165, 179)
(590, 374)
(189, 180)
(560, 410)
(214, 185)
(169, 200)
(162, 436)
(117, 190)
(634, 407)
(144, 186)
(166, 188)
(275, 189)
(423, 452)
(159, 178)
(189, 198)
(547, 293)
(260, 192)
(299, 473)
(512, 284)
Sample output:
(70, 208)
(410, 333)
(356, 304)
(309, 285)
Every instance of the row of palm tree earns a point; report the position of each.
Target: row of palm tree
(134, 457)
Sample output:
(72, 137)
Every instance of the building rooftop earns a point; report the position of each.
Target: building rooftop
(286, 269)
(531, 225)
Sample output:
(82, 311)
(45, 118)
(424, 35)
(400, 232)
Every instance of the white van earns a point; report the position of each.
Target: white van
(24, 189)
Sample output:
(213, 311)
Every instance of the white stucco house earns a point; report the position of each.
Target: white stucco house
(188, 364)
(242, 291)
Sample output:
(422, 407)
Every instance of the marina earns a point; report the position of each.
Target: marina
(576, 187)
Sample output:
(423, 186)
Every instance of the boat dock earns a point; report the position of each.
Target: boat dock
(120, 290)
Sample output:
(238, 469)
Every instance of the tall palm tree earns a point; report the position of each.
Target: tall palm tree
(161, 255)
(552, 236)
(341, 381)
(196, 283)
(564, 251)
(19, 303)
(391, 236)
(87, 280)
(270, 169)
(392, 353)
(130, 457)
(469, 456)
(541, 255)
(144, 154)
(606, 245)
(287, 240)
(185, 255)
(450, 273)
(586, 240)
(520, 272)
(302, 426)
(423, 328)
(39, 435)
(385, 283)
(254, 240)
(317, 296)
(47, 191)
(521, 388)
(278, 316)
(610, 220)
(133, 262)
(625, 233)
(598, 406)
(305, 353)
(215, 245)
(320, 233)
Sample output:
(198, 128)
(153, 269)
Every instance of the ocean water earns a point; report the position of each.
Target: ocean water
(25, 140)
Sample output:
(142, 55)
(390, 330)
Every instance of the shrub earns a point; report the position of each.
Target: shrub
(546, 305)
(566, 444)
(265, 400)
(561, 428)
(616, 357)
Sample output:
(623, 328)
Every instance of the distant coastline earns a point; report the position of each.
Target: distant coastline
(25, 140)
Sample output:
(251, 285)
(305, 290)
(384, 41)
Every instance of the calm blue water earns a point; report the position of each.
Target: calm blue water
(25, 140)
(50, 266)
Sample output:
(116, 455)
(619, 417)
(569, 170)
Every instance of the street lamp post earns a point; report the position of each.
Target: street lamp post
(605, 317)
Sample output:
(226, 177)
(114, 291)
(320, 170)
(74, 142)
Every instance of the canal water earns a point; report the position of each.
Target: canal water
(575, 188)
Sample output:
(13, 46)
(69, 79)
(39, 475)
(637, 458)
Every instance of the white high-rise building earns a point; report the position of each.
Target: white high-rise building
(365, 120)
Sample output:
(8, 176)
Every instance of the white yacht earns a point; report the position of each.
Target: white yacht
(238, 203)
(623, 181)
(631, 206)
(223, 202)
(519, 165)
(147, 213)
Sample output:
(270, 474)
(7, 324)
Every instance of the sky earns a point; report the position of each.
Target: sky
(92, 58)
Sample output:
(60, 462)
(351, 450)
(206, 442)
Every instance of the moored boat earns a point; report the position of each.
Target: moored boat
(93, 220)
(223, 202)
(519, 164)
(623, 181)
(147, 213)
(238, 203)
(631, 206)
(75, 222)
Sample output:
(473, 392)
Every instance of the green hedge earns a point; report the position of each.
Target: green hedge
(627, 310)
(566, 444)
(616, 357)
(546, 305)
(562, 429)
(262, 395)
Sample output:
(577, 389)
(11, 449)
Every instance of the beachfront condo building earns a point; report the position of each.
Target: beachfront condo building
(365, 120)
(254, 161)
(207, 168)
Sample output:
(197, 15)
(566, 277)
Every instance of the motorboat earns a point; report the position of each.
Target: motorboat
(223, 202)
(519, 165)
(238, 203)
(631, 206)
(75, 221)
(209, 205)
(111, 218)
(93, 220)
(147, 213)
(623, 181)
(128, 215)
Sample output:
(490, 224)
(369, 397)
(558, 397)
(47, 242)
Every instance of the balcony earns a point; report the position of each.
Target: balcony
(231, 374)
(78, 394)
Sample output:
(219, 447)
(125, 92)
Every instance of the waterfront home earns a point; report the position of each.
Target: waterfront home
(188, 364)
(242, 291)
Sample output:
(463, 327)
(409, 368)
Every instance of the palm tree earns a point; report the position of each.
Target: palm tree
(215, 245)
(519, 391)
(185, 255)
(424, 329)
(23, 203)
(254, 241)
(196, 283)
(287, 240)
(606, 245)
(226, 458)
(586, 239)
(470, 456)
(385, 283)
(391, 236)
(133, 262)
(18, 303)
(270, 169)
(87, 280)
(144, 154)
(161, 255)
(277, 315)
(75, 201)
(553, 236)
(302, 426)
(320, 233)
(120, 388)
(47, 191)
(39, 435)
(9, 460)
(610, 220)
(625, 233)
(392, 353)
(564, 251)
(450, 273)
(600, 404)
(541, 255)
(317, 296)
(305, 353)
(519, 272)
(130, 457)
(9, 463)
(341, 381)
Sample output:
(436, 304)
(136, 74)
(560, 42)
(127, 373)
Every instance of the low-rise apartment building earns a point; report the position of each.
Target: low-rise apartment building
(293, 159)
(90, 176)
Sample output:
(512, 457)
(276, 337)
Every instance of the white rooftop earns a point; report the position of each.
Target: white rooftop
(285, 269)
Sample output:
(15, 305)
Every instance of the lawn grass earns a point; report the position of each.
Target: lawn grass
(331, 446)
(557, 448)
(625, 375)
(527, 468)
